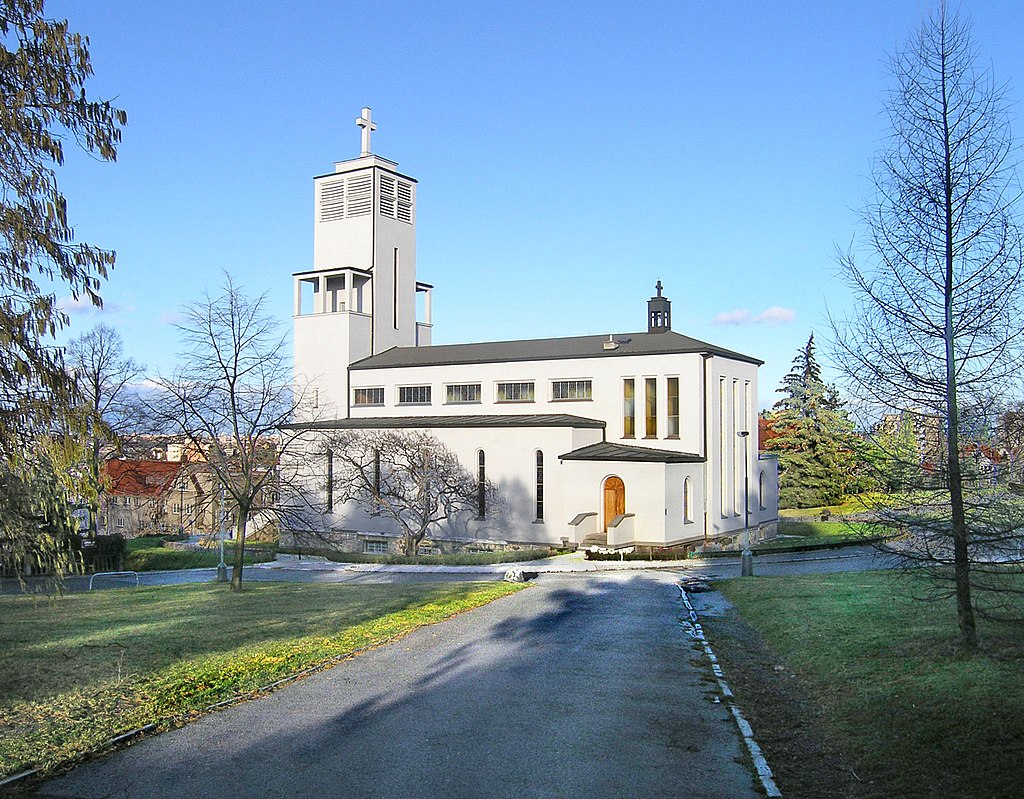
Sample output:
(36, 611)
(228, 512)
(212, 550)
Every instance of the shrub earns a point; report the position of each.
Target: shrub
(175, 537)
(104, 553)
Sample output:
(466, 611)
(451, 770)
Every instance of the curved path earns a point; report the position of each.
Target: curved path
(291, 569)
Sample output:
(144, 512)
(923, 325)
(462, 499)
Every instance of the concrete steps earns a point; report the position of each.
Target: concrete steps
(594, 540)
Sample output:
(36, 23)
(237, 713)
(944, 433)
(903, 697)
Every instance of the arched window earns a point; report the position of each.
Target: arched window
(481, 484)
(687, 500)
(760, 490)
(540, 486)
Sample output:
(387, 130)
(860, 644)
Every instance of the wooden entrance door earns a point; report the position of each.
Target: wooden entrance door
(614, 499)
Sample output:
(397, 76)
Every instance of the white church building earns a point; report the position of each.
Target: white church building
(644, 438)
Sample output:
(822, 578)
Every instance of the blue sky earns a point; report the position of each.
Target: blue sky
(568, 155)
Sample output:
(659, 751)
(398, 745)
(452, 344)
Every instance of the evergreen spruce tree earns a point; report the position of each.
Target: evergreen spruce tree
(813, 437)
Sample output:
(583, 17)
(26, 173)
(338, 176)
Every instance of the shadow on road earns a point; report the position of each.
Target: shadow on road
(577, 688)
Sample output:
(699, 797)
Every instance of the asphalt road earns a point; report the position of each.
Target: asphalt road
(581, 686)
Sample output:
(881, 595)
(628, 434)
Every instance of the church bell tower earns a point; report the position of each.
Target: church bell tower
(360, 296)
(659, 312)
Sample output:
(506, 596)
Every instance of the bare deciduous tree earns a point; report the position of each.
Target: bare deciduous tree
(408, 476)
(938, 286)
(229, 400)
(103, 375)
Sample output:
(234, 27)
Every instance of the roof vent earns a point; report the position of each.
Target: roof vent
(610, 344)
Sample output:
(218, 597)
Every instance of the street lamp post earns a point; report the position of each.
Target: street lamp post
(746, 556)
(222, 567)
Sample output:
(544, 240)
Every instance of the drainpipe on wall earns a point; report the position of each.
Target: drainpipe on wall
(373, 262)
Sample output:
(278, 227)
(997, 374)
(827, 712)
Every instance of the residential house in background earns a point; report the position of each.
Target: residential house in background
(176, 492)
(138, 496)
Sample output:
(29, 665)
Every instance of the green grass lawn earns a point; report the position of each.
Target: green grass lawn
(800, 533)
(145, 553)
(76, 671)
(909, 711)
(854, 504)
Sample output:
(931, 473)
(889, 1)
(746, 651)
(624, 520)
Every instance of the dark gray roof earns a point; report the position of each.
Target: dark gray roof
(607, 451)
(545, 349)
(420, 422)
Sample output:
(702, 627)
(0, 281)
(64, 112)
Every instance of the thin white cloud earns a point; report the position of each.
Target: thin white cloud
(732, 318)
(171, 317)
(776, 315)
(146, 385)
(82, 306)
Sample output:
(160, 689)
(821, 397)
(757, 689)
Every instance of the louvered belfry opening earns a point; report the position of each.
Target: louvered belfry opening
(659, 312)
(345, 198)
(332, 201)
(395, 198)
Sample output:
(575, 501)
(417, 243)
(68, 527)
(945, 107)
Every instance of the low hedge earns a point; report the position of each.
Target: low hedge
(103, 553)
(458, 559)
(647, 553)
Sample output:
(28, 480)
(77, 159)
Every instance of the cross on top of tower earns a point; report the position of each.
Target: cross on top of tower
(368, 125)
(658, 287)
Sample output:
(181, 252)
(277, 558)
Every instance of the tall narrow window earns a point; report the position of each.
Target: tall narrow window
(687, 501)
(329, 493)
(747, 423)
(628, 408)
(394, 293)
(672, 402)
(760, 490)
(723, 431)
(376, 482)
(540, 486)
(651, 407)
(737, 451)
(481, 484)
